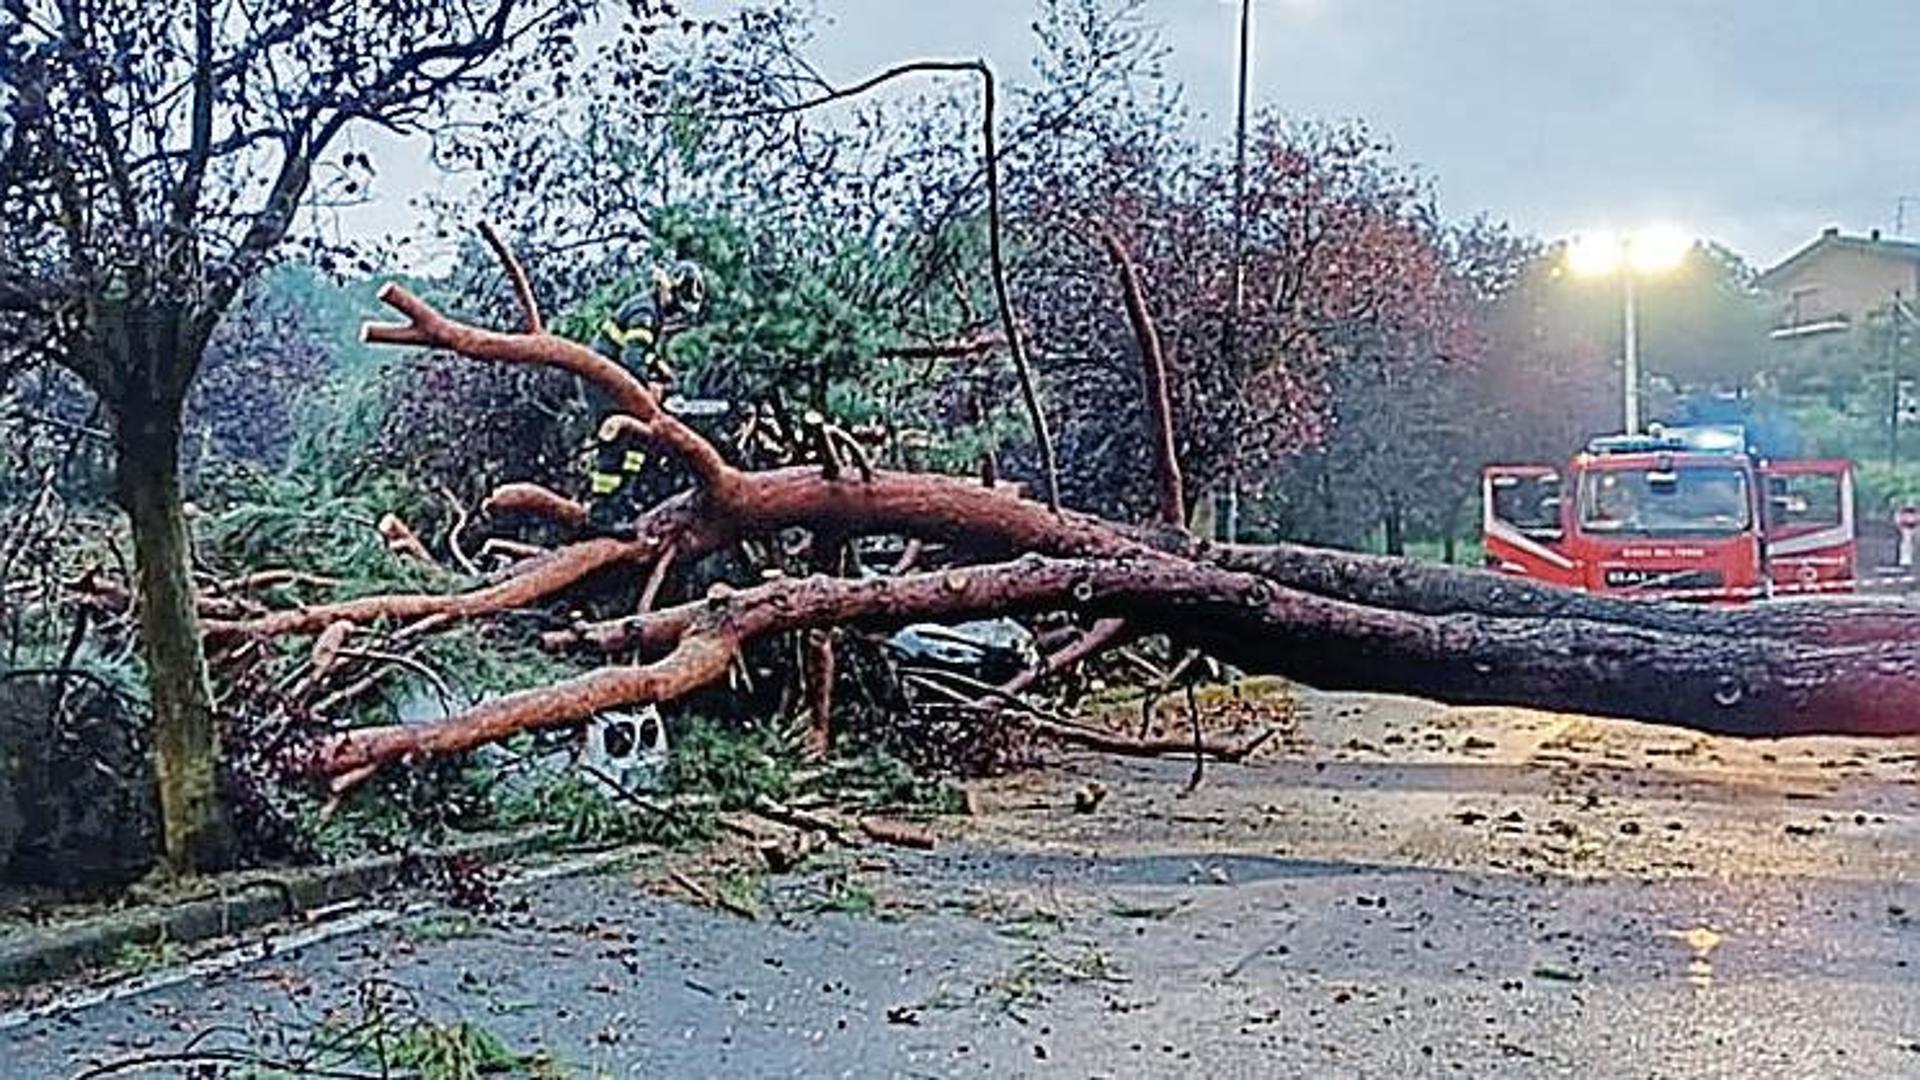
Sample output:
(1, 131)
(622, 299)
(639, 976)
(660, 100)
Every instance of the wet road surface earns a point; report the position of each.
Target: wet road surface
(1568, 900)
(1074, 966)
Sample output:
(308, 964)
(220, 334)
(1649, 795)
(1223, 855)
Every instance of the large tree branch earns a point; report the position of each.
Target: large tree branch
(106, 132)
(1713, 684)
(529, 584)
(427, 326)
(186, 193)
(1153, 365)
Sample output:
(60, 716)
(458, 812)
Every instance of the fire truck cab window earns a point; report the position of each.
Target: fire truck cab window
(1691, 501)
(1807, 500)
(1529, 503)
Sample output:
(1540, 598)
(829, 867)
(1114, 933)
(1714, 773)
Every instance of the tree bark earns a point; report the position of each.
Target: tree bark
(1735, 685)
(1425, 588)
(186, 740)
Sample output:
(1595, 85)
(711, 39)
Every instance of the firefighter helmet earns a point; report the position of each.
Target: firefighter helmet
(680, 292)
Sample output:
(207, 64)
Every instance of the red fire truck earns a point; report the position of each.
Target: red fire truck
(1678, 513)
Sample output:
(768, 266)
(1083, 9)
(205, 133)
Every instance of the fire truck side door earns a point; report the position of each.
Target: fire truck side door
(1811, 543)
(1523, 523)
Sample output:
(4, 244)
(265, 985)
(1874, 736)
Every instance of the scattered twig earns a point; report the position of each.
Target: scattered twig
(513, 552)
(908, 557)
(353, 691)
(793, 816)
(711, 897)
(1199, 750)
(403, 541)
(1098, 637)
(197, 1060)
(655, 580)
(439, 684)
(1062, 729)
(453, 532)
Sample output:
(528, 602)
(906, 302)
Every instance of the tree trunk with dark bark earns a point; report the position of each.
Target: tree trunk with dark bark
(186, 742)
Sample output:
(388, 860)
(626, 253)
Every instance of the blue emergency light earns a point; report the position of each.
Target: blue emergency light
(1698, 439)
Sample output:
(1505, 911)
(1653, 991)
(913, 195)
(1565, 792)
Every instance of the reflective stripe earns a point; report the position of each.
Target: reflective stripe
(635, 461)
(604, 483)
(624, 338)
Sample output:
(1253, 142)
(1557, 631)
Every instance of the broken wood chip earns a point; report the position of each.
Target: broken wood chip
(897, 833)
(1088, 798)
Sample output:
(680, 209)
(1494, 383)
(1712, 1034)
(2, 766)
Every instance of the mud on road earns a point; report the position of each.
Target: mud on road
(1389, 888)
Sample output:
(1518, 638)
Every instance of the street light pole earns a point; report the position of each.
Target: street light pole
(1631, 372)
(1649, 252)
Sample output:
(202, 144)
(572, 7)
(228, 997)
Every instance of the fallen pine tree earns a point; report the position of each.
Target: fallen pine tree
(1330, 619)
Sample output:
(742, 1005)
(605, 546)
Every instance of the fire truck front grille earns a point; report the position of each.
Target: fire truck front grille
(1655, 580)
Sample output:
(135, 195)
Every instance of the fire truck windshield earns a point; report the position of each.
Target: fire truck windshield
(1688, 501)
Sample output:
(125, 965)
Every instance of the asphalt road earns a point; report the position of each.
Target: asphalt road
(1491, 916)
(1153, 966)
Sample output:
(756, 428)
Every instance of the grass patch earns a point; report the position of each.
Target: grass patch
(739, 891)
(455, 926)
(140, 957)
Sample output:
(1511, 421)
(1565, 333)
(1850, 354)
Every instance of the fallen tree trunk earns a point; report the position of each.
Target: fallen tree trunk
(1436, 589)
(1729, 685)
(1329, 619)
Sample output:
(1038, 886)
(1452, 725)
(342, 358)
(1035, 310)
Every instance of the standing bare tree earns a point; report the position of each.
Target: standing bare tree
(152, 161)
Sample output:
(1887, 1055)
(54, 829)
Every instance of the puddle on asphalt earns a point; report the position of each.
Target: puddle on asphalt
(1701, 941)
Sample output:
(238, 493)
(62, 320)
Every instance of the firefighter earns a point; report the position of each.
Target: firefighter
(636, 337)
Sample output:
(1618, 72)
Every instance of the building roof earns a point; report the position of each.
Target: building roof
(1832, 239)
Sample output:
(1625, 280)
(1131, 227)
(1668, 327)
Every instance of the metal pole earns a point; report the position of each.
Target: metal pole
(1631, 374)
(1238, 300)
(1240, 183)
(1893, 377)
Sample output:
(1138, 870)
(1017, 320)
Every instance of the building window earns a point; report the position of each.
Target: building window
(1801, 304)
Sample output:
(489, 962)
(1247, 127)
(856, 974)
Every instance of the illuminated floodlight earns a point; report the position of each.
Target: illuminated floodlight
(1657, 250)
(1594, 254)
(1644, 252)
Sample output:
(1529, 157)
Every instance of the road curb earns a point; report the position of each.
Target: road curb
(244, 901)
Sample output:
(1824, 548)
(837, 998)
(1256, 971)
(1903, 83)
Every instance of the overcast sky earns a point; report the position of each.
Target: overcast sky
(1753, 122)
